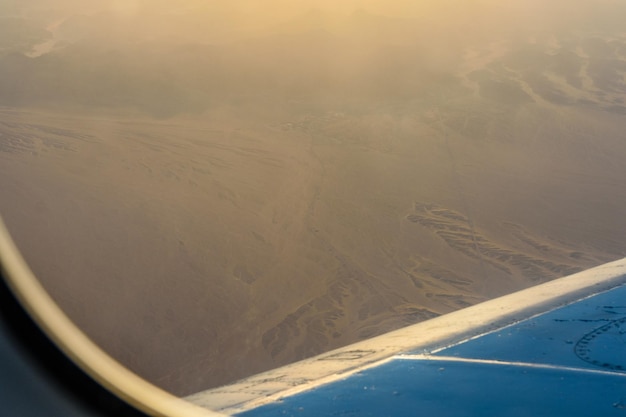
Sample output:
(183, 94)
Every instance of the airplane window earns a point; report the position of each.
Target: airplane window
(213, 189)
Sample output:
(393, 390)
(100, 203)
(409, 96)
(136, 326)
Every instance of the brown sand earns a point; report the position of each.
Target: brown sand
(200, 251)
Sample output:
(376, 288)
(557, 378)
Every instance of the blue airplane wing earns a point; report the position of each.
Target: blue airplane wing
(558, 349)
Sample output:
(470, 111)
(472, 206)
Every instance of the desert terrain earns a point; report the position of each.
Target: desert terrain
(211, 209)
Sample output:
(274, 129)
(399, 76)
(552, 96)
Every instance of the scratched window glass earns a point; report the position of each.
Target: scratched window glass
(214, 189)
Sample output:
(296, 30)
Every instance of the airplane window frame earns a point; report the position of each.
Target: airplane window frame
(67, 360)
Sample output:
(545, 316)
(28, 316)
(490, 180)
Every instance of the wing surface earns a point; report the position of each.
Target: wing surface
(557, 349)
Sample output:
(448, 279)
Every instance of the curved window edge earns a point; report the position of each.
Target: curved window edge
(39, 331)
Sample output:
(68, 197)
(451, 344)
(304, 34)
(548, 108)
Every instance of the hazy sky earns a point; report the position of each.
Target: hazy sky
(140, 52)
(189, 18)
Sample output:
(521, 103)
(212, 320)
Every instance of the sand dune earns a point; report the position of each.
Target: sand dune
(197, 253)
